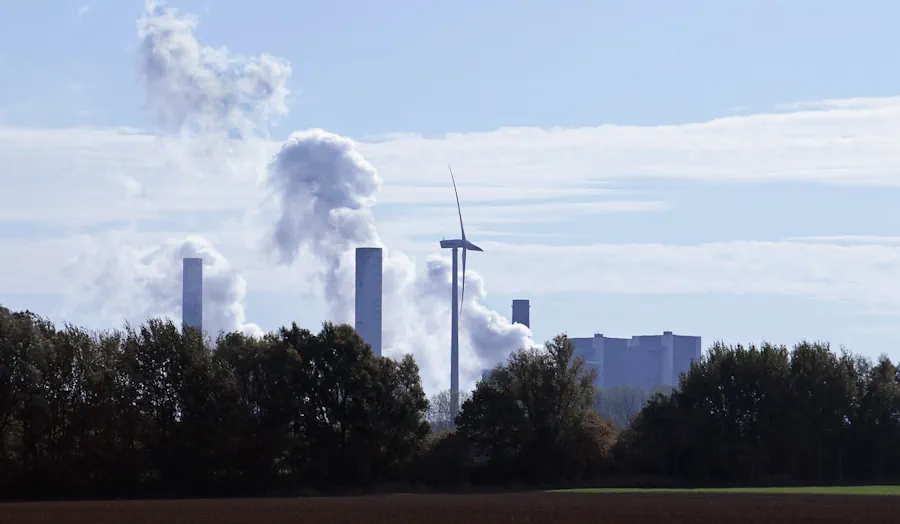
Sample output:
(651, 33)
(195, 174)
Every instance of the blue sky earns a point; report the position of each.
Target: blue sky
(367, 68)
(679, 81)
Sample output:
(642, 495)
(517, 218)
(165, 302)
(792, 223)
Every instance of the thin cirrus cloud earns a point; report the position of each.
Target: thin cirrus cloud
(832, 141)
(91, 176)
(849, 239)
(859, 273)
(856, 273)
(849, 142)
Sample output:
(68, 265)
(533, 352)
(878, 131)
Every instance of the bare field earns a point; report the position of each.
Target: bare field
(626, 508)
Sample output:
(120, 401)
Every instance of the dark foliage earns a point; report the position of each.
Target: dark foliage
(154, 411)
(766, 415)
(533, 420)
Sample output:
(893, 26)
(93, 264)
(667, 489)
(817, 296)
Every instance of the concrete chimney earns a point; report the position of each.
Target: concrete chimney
(520, 312)
(192, 293)
(368, 296)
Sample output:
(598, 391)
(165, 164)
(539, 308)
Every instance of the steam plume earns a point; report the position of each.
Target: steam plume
(194, 91)
(199, 89)
(208, 102)
(137, 283)
(326, 189)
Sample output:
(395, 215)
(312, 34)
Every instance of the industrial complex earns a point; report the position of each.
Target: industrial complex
(647, 361)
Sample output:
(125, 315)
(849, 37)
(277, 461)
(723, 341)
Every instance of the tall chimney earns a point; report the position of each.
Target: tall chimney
(368, 296)
(520, 314)
(192, 293)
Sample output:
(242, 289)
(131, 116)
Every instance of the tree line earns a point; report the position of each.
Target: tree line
(157, 411)
(768, 415)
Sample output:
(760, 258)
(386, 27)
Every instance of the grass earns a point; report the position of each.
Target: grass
(812, 490)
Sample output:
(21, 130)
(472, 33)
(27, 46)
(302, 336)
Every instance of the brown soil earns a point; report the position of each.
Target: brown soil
(472, 509)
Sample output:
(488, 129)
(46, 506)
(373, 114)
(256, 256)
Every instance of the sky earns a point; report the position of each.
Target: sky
(721, 169)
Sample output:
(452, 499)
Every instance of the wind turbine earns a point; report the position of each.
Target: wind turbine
(456, 303)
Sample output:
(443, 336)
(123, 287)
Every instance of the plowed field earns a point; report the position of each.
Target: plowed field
(632, 508)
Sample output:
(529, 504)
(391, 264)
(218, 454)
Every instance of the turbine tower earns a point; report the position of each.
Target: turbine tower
(456, 302)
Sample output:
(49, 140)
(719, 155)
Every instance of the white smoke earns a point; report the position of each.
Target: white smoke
(224, 288)
(417, 321)
(325, 190)
(136, 283)
(205, 97)
(209, 102)
(198, 89)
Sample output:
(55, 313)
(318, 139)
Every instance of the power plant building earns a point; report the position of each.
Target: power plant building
(368, 296)
(646, 361)
(192, 293)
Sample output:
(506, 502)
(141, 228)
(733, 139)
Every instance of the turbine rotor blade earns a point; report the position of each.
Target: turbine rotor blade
(462, 294)
(458, 208)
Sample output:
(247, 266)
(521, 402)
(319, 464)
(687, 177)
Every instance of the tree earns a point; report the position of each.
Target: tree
(31, 354)
(440, 414)
(875, 430)
(269, 447)
(723, 422)
(159, 410)
(362, 416)
(822, 404)
(756, 415)
(622, 403)
(397, 417)
(533, 419)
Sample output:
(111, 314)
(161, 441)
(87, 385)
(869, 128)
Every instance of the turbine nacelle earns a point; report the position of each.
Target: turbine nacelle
(459, 244)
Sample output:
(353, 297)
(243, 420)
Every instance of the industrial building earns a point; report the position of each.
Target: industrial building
(368, 296)
(646, 361)
(192, 293)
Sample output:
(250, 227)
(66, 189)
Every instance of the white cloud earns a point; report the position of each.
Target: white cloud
(471, 193)
(858, 273)
(851, 141)
(853, 144)
(863, 274)
(75, 176)
(842, 103)
(849, 239)
(78, 177)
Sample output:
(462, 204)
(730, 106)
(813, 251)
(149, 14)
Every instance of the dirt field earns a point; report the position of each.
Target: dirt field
(473, 509)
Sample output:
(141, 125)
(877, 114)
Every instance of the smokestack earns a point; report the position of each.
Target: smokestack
(368, 296)
(192, 293)
(520, 313)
